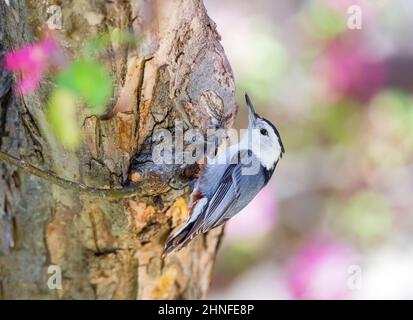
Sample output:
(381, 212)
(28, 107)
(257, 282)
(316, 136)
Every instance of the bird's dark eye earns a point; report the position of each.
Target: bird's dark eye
(264, 132)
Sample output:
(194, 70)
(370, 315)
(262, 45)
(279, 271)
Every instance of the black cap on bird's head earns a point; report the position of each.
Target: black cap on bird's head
(254, 118)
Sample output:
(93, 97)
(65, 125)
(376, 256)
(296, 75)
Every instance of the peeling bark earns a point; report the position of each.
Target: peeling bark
(110, 249)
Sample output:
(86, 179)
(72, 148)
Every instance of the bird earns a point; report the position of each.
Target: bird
(224, 188)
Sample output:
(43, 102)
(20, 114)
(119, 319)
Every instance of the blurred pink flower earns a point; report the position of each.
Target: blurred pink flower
(320, 271)
(257, 218)
(349, 71)
(32, 61)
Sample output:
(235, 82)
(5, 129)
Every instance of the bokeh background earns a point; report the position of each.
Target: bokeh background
(336, 219)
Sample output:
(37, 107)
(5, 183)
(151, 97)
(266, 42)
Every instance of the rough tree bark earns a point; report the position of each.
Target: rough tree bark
(109, 249)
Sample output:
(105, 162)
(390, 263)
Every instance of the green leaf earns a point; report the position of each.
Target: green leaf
(62, 117)
(90, 81)
(323, 21)
(366, 217)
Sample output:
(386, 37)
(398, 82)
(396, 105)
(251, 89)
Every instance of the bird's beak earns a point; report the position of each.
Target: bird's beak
(252, 116)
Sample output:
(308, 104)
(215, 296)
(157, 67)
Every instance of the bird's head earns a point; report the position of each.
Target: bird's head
(269, 147)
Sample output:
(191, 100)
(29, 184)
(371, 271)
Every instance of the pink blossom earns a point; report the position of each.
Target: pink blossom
(350, 71)
(257, 218)
(320, 271)
(31, 62)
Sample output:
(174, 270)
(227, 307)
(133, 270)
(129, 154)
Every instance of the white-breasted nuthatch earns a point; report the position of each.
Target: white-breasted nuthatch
(225, 187)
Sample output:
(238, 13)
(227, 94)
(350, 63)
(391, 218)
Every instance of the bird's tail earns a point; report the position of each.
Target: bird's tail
(189, 230)
(179, 238)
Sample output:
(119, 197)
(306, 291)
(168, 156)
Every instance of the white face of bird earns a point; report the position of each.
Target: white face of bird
(265, 141)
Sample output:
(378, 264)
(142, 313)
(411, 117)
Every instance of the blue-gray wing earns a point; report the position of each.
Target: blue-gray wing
(235, 190)
(221, 193)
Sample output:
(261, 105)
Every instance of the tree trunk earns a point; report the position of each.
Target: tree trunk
(109, 249)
